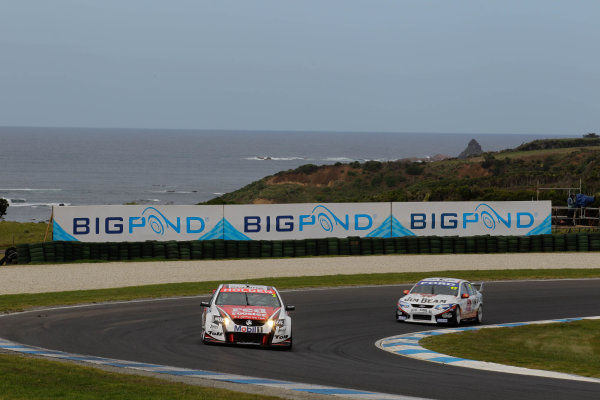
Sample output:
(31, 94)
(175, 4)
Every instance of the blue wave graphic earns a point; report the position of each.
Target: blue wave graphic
(545, 227)
(154, 221)
(328, 220)
(384, 230)
(230, 233)
(489, 216)
(224, 230)
(58, 233)
(391, 227)
(400, 230)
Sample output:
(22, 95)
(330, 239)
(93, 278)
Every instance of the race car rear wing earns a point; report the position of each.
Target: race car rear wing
(478, 286)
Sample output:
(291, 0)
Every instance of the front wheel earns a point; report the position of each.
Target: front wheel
(203, 332)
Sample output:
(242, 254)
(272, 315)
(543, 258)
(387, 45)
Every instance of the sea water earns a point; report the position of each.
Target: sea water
(41, 167)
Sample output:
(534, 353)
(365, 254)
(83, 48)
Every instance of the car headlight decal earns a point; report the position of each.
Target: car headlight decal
(402, 304)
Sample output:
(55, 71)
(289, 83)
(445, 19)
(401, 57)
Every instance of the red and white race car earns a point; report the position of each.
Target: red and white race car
(441, 301)
(247, 314)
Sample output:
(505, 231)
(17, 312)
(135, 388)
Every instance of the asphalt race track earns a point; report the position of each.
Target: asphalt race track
(334, 335)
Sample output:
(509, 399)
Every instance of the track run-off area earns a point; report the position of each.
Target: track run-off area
(335, 336)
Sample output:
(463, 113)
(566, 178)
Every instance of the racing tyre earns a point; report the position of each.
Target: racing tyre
(479, 318)
(203, 332)
(288, 348)
(456, 317)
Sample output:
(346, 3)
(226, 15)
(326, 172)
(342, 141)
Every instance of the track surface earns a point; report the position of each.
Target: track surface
(334, 335)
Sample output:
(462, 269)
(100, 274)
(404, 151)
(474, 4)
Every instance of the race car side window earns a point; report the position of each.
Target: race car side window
(463, 289)
(471, 289)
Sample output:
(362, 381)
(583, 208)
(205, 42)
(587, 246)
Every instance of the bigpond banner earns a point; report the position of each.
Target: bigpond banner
(299, 221)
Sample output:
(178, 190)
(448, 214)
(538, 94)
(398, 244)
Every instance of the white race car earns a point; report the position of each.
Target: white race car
(247, 314)
(441, 301)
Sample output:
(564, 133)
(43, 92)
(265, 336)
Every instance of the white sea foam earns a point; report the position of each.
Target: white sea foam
(174, 192)
(339, 159)
(28, 190)
(37, 205)
(271, 158)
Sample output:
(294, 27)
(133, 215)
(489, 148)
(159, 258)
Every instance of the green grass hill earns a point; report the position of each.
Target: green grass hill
(513, 174)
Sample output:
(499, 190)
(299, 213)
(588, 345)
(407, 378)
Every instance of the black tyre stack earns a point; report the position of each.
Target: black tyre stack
(23, 254)
(333, 248)
(299, 248)
(400, 245)
(355, 244)
(287, 247)
(244, 249)
(185, 250)
(66, 251)
(277, 250)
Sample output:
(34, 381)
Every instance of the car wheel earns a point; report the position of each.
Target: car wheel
(479, 318)
(204, 336)
(456, 317)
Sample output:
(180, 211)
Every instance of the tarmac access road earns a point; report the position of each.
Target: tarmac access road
(83, 276)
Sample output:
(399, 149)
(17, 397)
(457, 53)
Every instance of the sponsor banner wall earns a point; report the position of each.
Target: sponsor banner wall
(135, 223)
(299, 221)
(501, 218)
(308, 220)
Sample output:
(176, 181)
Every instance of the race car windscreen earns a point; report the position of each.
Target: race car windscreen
(435, 288)
(247, 299)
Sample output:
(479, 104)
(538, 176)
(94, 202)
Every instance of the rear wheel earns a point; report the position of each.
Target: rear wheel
(479, 318)
(456, 317)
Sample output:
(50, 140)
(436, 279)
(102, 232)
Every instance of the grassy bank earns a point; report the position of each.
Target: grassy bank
(533, 346)
(20, 302)
(13, 233)
(29, 378)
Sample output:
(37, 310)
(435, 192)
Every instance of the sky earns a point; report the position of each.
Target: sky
(512, 66)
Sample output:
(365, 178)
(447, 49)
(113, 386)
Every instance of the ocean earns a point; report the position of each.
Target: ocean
(41, 167)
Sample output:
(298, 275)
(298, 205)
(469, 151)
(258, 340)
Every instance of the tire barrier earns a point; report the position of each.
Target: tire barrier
(60, 251)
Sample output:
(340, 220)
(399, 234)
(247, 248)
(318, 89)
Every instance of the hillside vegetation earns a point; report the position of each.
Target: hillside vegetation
(494, 176)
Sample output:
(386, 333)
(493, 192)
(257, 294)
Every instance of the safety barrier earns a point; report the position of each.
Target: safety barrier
(67, 251)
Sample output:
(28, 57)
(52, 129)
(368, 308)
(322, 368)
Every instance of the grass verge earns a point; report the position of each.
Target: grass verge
(20, 302)
(572, 347)
(13, 233)
(33, 378)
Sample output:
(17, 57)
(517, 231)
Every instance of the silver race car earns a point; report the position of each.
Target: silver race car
(441, 301)
(247, 314)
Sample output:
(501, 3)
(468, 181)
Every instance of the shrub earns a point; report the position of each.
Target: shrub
(3, 207)
(307, 169)
(372, 166)
(415, 169)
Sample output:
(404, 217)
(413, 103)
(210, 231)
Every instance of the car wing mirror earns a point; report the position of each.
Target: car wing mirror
(465, 296)
(290, 308)
(205, 304)
(406, 291)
